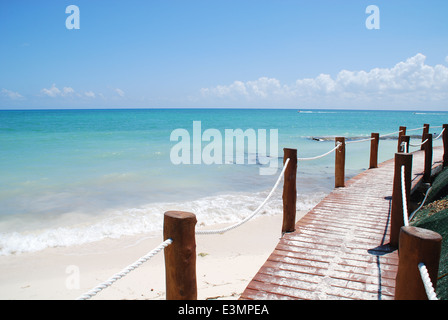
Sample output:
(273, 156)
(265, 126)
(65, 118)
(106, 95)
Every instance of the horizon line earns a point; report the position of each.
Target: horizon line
(214, 108)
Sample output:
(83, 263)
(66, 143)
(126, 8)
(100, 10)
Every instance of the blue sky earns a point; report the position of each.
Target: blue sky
(224, 53)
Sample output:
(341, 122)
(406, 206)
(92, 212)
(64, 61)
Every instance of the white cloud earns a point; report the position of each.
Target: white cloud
(11, 94)
(408, 81)
(67, 91)
(120, 92)
(52, 92)
(90, 94)
(262, 88)
(56, 92)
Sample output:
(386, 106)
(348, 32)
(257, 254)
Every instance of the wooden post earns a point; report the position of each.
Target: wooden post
(396, 219)
(405, 139)
(402, 132)
(374, 150)
(180, 256)
(417, 245)
(445, 145)
(289, 190)
(339, 169)
(428, 158)
(425, 131)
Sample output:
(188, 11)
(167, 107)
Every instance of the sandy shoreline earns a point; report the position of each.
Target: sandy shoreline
(225, 265)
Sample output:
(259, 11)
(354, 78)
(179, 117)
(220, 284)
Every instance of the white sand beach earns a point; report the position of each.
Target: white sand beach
(225, 265)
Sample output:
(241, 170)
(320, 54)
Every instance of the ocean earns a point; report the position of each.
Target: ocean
(69, 177)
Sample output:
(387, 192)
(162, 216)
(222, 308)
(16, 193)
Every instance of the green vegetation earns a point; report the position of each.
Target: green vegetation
(434, 216)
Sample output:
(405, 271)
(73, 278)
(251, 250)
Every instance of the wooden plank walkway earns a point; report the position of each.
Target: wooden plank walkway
(340, 248)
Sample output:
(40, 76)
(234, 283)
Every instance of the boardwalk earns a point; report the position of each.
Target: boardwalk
(340, 248)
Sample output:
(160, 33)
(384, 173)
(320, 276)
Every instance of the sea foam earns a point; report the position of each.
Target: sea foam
(148, 219)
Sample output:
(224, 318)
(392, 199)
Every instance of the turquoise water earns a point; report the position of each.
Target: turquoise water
(76, 176)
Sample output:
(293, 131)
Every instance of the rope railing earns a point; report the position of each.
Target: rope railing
(403, 197)
(384, 135)
(416, 129)
(418, 144)
(421, 204)
(361, 140)
(426, 140)
(419, 248)
(356, 141)
(392, 133)
(427, 282)
(254, 213)
(381, 136)
(125, 271)
(438, 137)
(422, 268)
(322, 155)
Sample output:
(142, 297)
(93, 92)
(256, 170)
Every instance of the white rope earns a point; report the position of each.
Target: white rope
(440, 134)
(389, 134)
(362, 140)
(207, 232)
(427, 282)
(421, 205)
(418, 144)
(322, 155)
(125, 271)
(403, 145)
(403, 197)
(416, 129)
